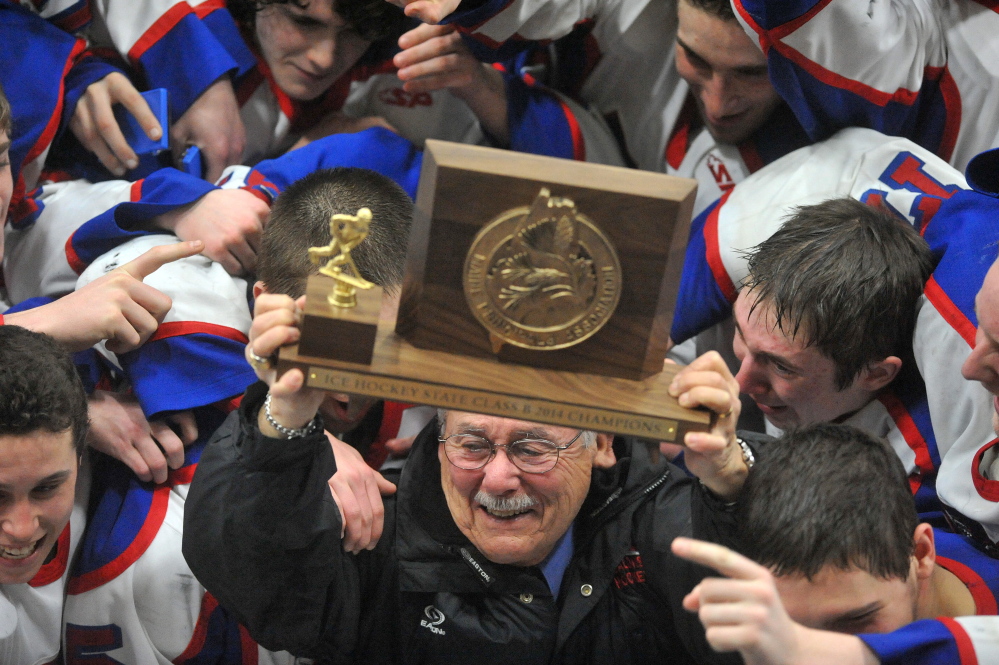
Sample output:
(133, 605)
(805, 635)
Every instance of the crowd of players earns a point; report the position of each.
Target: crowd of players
(841, 269)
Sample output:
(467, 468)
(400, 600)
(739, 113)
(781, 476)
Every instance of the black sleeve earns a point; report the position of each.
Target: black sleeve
(262, 534)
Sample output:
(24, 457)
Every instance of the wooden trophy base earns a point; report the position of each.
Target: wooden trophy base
(339, 333)
(402, 372)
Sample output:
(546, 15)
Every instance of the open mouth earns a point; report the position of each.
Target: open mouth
(506, 515)
(19, 553)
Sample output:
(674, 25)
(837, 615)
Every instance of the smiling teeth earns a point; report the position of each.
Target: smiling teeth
(505, 513)
(18, 553)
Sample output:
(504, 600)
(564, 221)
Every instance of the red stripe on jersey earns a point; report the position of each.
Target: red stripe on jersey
(714, 251)
(985, 600)
(178, 328)
(248, 647)
(141, 542)
(53, 124)
(989, 4)
(54, 569)
(206, 8)
(965, 648)
(952, 114)
(832, 79)
(987, 489)
(197, 643)
(907, 426)
(578, 144)
(687, 123)
(72, 258)
(753, 25)
(751, 156)
(76, 20)
(950, 312)
(788, 28)
(157, 30)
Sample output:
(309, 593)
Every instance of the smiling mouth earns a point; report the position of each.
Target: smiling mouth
(505, 514)
(18, 553)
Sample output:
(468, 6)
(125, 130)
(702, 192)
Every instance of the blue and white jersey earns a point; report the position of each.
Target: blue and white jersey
(946, 420)
(925, 70)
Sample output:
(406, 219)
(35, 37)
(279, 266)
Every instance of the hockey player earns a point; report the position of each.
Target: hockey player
(135, 532)
(43, 491)
(834, 544)
(918, 69)
(937, 415)
(701, 107)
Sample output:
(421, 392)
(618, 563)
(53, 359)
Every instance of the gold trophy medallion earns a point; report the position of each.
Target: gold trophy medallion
(542, 277)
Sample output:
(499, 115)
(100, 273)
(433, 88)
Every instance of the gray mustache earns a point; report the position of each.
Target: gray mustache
(518, 503)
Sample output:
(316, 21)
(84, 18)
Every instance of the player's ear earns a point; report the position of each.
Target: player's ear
(924, 550)
(880, 373)
(258, 288)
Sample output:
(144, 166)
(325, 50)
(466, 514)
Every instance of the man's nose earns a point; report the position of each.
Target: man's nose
(501, 475)
(976, 367)
(20, 522)
(750, 377)
(719, 96)
(322, 55)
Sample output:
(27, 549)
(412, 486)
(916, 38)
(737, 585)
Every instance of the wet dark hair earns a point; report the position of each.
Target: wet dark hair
(40, 387)
(829, 495)
(845, 277)
(300, 219)
(374, 20)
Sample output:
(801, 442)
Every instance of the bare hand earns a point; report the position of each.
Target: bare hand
(358, 490)
(434, 57)
(213, 124)
(428, 11)
(116, 307)
(94, 124)
(119, 428)
(742, 613)
(275, 324)
(340, 123)
(714, 456)
(400, 447)
(228, 221)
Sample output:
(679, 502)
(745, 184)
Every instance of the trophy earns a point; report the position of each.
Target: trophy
(341, 307)
(536, 288)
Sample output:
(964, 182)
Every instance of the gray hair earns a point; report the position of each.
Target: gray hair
(588, 438)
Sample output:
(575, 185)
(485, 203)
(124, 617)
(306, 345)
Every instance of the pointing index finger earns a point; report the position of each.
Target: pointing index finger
(722, 559)
(153, 259)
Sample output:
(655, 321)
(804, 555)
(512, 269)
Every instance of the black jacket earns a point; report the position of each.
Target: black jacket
(262, 533)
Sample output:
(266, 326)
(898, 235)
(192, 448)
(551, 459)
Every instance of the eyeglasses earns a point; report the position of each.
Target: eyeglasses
(471, 452)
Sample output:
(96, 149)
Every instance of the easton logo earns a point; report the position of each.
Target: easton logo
(434, 618)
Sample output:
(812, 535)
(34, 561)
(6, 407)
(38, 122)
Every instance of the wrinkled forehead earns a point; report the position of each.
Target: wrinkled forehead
(494, 427)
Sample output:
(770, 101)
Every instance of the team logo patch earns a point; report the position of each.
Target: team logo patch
(434, 619)
(630, 571)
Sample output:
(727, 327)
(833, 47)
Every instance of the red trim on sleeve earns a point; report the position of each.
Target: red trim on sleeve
(56, 568)
(141, 542)
(907, 427)
(950, 312)
(965, 648)
(832, 79)
(72, 258)
(782, 31)
(578, 143)
(157, 30)
(1, 319)
(714, 252)
(207, 7)
(135, 191)
(249, 647)
(389, 429)
(952, 114)
(985, 601)
(200, 634)
(179, 328)
(987, 489)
